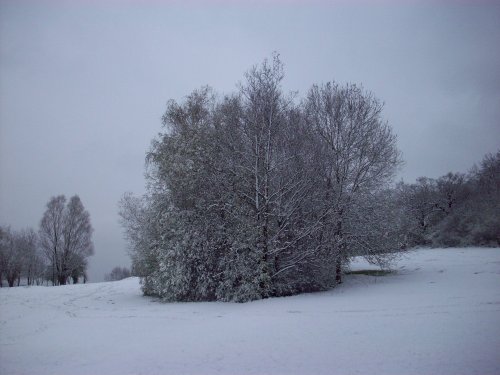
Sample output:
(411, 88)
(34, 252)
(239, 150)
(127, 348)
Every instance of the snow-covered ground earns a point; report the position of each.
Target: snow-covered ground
(439, 314)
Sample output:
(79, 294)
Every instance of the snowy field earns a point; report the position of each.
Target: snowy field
(438, 314)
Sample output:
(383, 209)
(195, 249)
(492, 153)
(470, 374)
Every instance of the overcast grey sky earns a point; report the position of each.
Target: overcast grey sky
(83, 86)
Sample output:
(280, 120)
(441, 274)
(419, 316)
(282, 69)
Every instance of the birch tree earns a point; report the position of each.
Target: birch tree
(264, 124)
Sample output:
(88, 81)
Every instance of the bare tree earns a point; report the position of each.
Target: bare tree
(421, 202)
(51, 234)
(65, 236)
(451, 191)
(12, 261)
(20, 257)
(360, 155)
(33, 263)
(80, 271)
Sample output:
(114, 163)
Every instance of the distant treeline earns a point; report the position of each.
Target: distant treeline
(458, 209)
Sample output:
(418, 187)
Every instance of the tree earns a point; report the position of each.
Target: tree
(359, 156)
(451, 191)
(3, 250)
(421, 204)
(476, 219)
(117, 273)
(12, 261)
(19, 256)
(135, 219)
(80, 271)
(486, 198)
(65, 237)
(33, 265)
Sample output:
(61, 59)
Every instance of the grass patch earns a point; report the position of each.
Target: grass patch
(370, 272)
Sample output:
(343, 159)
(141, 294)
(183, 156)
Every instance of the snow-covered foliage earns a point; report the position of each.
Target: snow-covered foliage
(252, 195)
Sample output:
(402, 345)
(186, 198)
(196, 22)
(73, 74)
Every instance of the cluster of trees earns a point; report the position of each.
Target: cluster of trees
(58, 253)
(20, 258)
(117, 273)
(258, 194)
(454, 210)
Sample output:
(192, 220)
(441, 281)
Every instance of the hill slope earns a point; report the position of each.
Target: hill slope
(438, 314)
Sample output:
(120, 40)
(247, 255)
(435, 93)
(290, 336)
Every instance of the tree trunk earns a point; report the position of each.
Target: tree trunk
(338, 271)
(341, 249)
